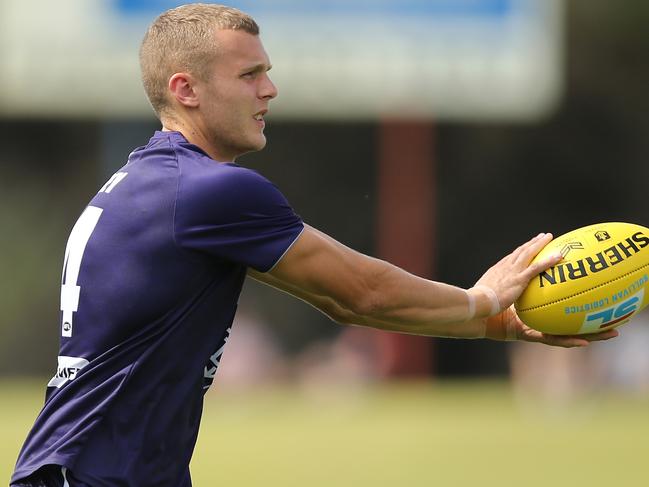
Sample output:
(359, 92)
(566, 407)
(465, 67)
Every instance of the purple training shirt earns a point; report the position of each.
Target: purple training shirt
(153, 271)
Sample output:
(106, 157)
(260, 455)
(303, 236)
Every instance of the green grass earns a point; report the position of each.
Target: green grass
(407, 435)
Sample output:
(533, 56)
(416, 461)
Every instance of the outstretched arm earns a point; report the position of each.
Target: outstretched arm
(353, 288)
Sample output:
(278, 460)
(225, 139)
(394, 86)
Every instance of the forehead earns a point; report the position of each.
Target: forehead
(237, 48)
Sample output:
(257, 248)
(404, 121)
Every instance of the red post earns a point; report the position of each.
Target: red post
(406, 227)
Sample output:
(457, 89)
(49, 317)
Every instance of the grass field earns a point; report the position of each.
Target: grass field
(407, 435)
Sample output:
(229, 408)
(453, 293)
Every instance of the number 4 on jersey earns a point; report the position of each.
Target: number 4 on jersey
(81, 232)
(74, 250)
(114, 180)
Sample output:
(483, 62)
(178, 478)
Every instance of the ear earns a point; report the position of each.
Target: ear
(181, 87)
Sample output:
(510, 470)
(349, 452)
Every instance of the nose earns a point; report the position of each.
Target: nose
(267, 90)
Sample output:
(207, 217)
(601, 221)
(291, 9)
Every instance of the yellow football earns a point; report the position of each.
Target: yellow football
(600, 283)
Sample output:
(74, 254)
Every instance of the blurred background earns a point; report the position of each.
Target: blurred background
(435, 134)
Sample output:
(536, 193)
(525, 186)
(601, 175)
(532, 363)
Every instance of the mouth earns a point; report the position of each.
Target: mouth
(259, 116)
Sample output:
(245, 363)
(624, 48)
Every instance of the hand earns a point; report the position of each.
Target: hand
(508, 326)
(509, 277)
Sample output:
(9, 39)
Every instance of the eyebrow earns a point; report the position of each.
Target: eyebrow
(257, 68)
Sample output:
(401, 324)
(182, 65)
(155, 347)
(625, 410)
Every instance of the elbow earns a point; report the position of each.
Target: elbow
(351, 311)
(341, 314)
(368, 298)
(365, 298)
(364, 305)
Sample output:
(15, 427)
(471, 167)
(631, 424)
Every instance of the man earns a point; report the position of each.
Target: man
(154, 266)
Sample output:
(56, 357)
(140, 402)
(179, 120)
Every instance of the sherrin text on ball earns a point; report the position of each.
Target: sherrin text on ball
(601, 283)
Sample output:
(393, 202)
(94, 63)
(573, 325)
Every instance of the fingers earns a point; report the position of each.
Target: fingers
(542, 265)
(605, 335)
(568, 341)
(521, 249)
(509, 277)
(554, 340)
(565, 341)
(530, 249)
(507, 320)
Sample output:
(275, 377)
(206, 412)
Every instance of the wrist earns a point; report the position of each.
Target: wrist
(501, 327)
(482, 302)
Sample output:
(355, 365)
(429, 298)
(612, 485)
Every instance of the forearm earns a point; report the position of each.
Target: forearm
(400, 301)
(475, 328)
(389, 298)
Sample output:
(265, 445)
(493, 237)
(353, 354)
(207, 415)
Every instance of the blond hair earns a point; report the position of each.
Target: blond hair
(182, 40)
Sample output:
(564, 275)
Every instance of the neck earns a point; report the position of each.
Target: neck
(195, 136)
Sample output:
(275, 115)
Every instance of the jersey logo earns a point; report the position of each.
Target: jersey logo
(67, 370)
(213, 363)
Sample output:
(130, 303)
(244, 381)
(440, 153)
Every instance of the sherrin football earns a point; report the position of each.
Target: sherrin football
(601, 283)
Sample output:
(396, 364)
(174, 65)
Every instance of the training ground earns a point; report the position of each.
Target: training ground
(426, 434)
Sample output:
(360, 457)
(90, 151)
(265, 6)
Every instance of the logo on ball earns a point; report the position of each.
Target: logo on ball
(615, 315)
(602, 236)
(569, 246)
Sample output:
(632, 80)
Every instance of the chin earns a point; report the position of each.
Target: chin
(253, 146)
(259, 143)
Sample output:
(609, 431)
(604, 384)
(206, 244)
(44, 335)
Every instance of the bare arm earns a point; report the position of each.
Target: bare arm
(353, 288)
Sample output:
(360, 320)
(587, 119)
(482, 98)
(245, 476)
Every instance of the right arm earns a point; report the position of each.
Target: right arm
(352, 288)
(355, 305)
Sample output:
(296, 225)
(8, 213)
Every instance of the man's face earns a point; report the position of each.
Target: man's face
(235, 97)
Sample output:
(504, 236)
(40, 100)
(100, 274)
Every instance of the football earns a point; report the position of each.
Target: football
(601, 283)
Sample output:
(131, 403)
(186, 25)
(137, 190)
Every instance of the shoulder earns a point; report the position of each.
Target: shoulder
(228, 191)
(224, 181)
(200, 175)
(208, 174)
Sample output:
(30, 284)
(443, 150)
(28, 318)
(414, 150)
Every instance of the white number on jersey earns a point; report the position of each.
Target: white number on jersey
(114, 180)
(74, 250)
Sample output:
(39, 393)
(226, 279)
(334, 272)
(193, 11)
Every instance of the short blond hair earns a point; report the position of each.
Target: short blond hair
(182, 40)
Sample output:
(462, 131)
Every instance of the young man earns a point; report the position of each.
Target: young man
(154, 267)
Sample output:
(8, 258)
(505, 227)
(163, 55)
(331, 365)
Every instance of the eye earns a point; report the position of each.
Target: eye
(249, 74)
